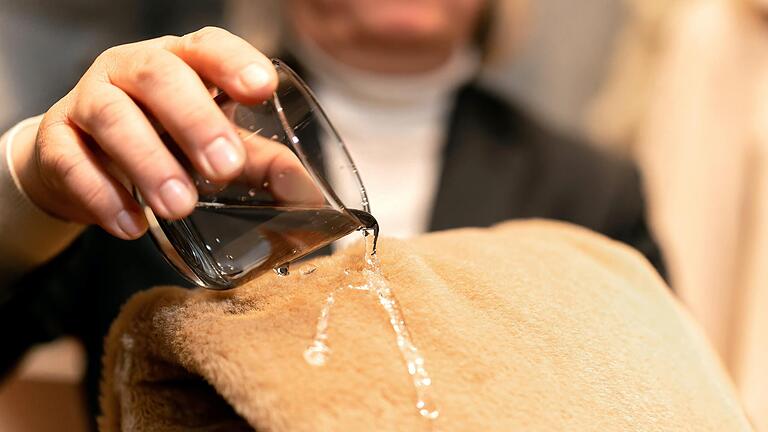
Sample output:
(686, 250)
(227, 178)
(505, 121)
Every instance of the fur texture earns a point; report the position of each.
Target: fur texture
(525, 326)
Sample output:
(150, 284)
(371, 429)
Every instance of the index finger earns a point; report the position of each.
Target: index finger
(227, 61)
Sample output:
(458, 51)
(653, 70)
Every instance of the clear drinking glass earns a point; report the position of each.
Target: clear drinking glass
(299, 192)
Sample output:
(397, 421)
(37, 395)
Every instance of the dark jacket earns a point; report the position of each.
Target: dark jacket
(498, 165)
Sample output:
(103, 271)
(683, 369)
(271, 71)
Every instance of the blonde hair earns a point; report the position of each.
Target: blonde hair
(262, 23)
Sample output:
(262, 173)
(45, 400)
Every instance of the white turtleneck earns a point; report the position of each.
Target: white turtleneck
(394, 128)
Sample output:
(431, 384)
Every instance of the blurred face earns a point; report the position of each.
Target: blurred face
(391, 36)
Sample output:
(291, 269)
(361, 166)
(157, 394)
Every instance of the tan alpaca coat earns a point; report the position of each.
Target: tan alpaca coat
(526, 326)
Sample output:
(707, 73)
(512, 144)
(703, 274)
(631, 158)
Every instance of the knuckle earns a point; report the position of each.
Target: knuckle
(57, 116)
(47, 163)
(152, 68)
(204, 36)
(94, 196)
(67, 166)
(60, 166)
(73, 177)
(51, 161)
(114, 54)
(151, 163)
(109, 53)
(106, 114)
(166, 40)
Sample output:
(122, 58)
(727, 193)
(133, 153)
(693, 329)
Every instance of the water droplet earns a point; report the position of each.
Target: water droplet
(252, 192)
(230, 257)
(427, 409)
(265, 185)
(317, 354)
(308, 270)
(282, 271)
(217, 240)
(208, 247)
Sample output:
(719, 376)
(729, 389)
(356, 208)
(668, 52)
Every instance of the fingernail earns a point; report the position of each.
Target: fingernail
(254, 77)
(223, 156)
(176, 197)
(130, 223)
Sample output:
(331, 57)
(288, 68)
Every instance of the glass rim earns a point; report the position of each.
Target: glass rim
(295, 142)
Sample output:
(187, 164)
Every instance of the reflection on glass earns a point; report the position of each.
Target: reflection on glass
(281, 208)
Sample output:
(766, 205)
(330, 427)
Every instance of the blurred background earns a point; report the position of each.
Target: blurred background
(680, 86)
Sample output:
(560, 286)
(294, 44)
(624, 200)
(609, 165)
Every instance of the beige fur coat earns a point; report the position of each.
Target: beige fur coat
(527, 326)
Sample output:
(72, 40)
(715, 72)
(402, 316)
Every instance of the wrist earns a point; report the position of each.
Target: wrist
(30, 236)
(23, 162)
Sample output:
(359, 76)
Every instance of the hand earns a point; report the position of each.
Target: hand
(98, 140)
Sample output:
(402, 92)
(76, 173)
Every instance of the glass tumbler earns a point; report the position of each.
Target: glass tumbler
(299, 192)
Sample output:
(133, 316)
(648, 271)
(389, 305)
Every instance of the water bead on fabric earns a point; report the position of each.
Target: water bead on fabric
(318, 353)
